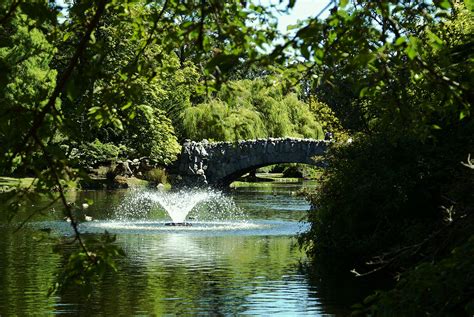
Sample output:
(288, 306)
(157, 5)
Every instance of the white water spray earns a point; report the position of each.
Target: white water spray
(178, 204)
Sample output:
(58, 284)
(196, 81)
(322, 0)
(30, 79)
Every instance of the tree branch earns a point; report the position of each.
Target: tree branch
(10, 11)
(62, 197)
(152, 32)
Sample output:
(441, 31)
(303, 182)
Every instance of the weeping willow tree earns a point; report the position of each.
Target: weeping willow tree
(217, 121)
(205, 120)
(249, 109)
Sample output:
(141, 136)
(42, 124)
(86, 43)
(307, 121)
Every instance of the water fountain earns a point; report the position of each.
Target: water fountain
(203, 212)
(177, 205)
(247, 239)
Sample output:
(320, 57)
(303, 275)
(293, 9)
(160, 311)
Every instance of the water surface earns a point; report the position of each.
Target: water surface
(246, 261)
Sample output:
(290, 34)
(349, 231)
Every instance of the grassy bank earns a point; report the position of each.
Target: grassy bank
(10, 183)
(13, 183)
(265, 180)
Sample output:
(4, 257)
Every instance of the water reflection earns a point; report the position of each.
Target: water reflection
(191, 275)
(251, 271)
(27, 268)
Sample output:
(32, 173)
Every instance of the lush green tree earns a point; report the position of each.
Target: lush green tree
(217, 121)
(405, 73)
(249, 109)
(27, 82)
(329, 121)
(152, 135)
(126, 96)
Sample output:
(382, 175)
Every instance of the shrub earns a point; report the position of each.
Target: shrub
(157, 175)
(95, 153)
(380, 193)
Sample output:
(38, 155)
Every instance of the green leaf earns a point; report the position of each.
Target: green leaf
(127, 105)
(66, 36)
(319, 53)
(343, 3)
(301, 67)
(331, 37)
(117, 123)
(93, 110)
(469, 5)
(412, 47)
(444, 4)
(92, 38)
(400, 41)
(334, 21)
(292, 27)
(435, 40)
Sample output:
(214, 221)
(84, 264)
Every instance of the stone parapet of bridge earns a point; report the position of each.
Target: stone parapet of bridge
(220, 163)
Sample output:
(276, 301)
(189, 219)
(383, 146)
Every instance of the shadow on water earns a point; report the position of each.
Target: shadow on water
(339, 289)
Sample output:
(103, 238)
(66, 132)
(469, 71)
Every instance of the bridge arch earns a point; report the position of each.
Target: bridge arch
(220, 163)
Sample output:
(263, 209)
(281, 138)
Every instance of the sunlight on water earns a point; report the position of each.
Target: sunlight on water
(161, 226)
(195, 228)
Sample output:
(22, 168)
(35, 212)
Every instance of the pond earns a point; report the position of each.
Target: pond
(240, 256)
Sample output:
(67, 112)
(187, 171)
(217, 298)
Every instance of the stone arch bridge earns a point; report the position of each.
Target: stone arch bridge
(219, 164)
